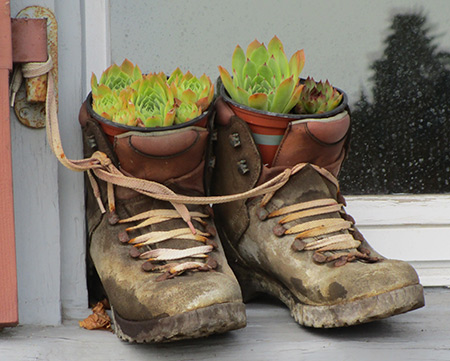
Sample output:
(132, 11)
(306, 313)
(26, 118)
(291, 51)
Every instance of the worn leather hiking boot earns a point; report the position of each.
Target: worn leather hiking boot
(164, 282)
(297, 243)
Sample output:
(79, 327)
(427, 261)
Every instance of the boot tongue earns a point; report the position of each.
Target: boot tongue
(320, 141)
(173, 157)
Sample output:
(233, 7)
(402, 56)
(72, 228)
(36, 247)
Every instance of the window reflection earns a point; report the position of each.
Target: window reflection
(400, 141)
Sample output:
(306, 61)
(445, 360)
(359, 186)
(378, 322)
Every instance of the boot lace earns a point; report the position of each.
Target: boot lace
(154, 257)
(331, 238)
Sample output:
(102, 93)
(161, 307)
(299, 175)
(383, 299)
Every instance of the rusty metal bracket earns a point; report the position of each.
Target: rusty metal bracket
(28, 38)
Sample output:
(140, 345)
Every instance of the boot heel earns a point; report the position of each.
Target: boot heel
(254, 284)
(247, 279)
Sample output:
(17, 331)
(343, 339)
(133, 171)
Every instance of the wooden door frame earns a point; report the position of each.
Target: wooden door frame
(8, 274)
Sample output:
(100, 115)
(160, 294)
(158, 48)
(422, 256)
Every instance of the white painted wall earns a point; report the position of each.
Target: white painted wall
(340, 39)
(49, 200)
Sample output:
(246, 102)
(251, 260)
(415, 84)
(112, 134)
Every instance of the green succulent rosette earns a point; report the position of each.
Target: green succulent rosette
(189, 89)
(154, 102)
(117, 77)
(263, 78)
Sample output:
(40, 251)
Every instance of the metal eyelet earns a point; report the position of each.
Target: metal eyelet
(92, 143)
(235, 140)
(214, 135)
(243, 167)
(212, 162)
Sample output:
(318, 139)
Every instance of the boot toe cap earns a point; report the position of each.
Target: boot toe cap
(149, 299)
(356, 280)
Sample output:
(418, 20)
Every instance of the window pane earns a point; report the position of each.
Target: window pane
(401, 134)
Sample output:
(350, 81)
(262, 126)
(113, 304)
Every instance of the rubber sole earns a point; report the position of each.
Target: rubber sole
(339, 315)
(202, 322)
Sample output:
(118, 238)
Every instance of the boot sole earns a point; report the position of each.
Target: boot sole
(339, 315)
(202, 322)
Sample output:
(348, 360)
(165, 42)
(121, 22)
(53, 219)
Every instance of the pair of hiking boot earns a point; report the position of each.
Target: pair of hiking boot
(282, 229)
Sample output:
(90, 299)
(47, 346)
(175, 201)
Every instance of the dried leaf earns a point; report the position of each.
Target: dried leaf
(99, 320)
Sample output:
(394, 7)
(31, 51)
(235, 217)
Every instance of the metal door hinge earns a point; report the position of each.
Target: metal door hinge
(35, 40)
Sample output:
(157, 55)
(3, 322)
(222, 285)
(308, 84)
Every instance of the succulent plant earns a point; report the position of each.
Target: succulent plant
(188, 88)
(105, 101)
(316, 98)
(263, 78)
(125, 96)
(186, 111)
(117, 77)
(125, 111)
(154, 102)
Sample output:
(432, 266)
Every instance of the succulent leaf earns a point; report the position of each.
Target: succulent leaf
(249, 69)
(94, 84)
(117, 78)
(154, 102)
(237, 64)
(283, 94)
(258, 101)
(243, 96)
(276, 49)
(275, 45)
(259, 56)
(293, 100)
(177, 73)
(255, 44)
(273, 65)
(266, 73)
(228, 82)
(188, 96)
(296, 63)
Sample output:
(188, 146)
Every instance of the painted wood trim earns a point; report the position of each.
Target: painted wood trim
(97, 49)
(71, 184)
(400, 209)
(8, 275)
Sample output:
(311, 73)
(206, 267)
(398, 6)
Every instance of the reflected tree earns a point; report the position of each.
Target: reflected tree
(401, 138)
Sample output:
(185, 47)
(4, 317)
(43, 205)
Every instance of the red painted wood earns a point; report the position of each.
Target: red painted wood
(8, 275)
(29, 40)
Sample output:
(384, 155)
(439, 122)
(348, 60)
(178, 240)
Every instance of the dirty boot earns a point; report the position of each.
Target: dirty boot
(297, 243)
(164, 282)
